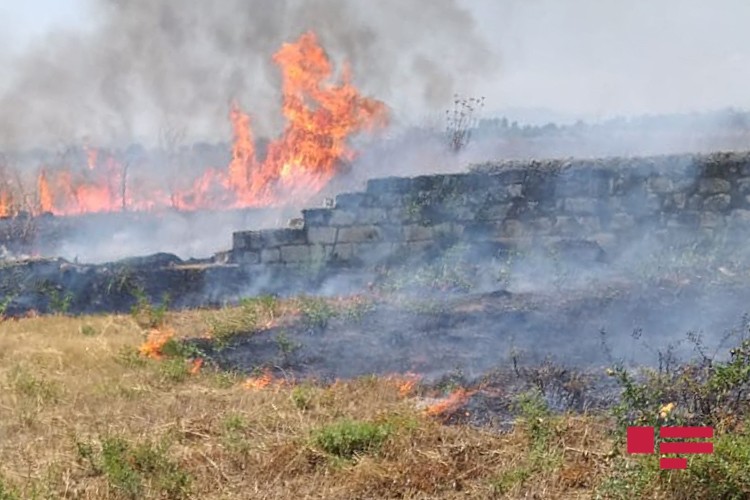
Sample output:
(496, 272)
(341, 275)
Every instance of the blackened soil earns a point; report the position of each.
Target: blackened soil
(500, 342)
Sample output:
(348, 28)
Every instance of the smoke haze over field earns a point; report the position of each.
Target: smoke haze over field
(118, 71)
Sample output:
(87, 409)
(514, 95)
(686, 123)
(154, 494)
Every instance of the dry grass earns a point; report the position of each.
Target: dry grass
(70, 386)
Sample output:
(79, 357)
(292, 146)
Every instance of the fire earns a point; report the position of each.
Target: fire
(405, 383)
(155, 342)
(263, 381)
(453, 402)
(321, 115)
(195, 366)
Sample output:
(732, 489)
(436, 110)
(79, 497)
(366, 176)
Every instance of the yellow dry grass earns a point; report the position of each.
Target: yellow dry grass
(66, 381)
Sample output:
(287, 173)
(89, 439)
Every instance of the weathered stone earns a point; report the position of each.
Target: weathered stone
(674, 201)
(317, 216)
(398, 185)
(320, 253)
(541, 224)
(660, 184)
(322, 235)
(342, 251)
(514, 190)
(270, 255)
(296, 223)
(246, 257)
(718, 202)
(494, 212)
(371, 216)
(416, 232)
(622, 221)
(695, 202)
(743, 185)
(741, 215)
(351, 200)
(711, 219)
(279, 237)
(241, 240)
(295, 253)
(590, 224)
(342, 218)
(512, 229)
(372, 253)
(566, 225)
(714, 185)
(607, 241)
(581, 205)
(359, 234)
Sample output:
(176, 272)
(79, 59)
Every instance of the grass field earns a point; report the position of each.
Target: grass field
(117, 407)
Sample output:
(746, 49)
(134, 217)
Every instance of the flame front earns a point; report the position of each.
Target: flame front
(453, 402)
(320, 115)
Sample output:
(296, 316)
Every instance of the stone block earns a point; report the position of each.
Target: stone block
(399, 185)
(514, 190)
(660, 184)
(342, 251)
(621, 221)
(373, 253)
(581, 205)
(743, 185)
(295, 253)
(270, 255)
(321, 235)
(415, 232)
(371, 216)
(352, 200)
(246, 257)
(317, 216)
(717, 202)
(512, 229)
(711, 220)
(714, 185)
(320, 253)
(342, 218)
(241, 240)
(493, 212)
(359, 234)
(279, 237)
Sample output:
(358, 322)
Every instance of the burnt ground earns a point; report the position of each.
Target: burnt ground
(500, 344)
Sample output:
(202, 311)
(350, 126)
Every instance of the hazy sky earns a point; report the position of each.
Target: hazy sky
(571, 58)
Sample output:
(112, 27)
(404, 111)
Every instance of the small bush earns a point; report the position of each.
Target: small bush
(8, 493)
(316, 312)
(302, 397)
(145, 313)
(348, 438)
(134, 470)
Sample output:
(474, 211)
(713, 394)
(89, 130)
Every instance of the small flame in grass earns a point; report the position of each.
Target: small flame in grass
(453, 402)
(262, 382)
(405, 383)
(195, 366)
(155, 342)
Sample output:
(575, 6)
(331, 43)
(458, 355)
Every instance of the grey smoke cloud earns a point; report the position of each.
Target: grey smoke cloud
(143, 63)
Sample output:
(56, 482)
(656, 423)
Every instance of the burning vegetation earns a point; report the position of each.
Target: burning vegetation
(321, 116)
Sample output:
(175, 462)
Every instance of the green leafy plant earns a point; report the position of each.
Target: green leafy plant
(134, 469)
(348, 438)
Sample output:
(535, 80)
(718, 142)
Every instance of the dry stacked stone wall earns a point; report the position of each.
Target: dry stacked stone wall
(602, 204)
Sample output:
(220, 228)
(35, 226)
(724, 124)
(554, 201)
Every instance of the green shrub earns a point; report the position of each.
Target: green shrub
(347, 438)
(134, 470)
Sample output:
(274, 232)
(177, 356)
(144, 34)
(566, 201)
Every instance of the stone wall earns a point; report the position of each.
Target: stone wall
(511, 205)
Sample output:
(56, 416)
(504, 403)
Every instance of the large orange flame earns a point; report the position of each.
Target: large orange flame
(321, 116)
